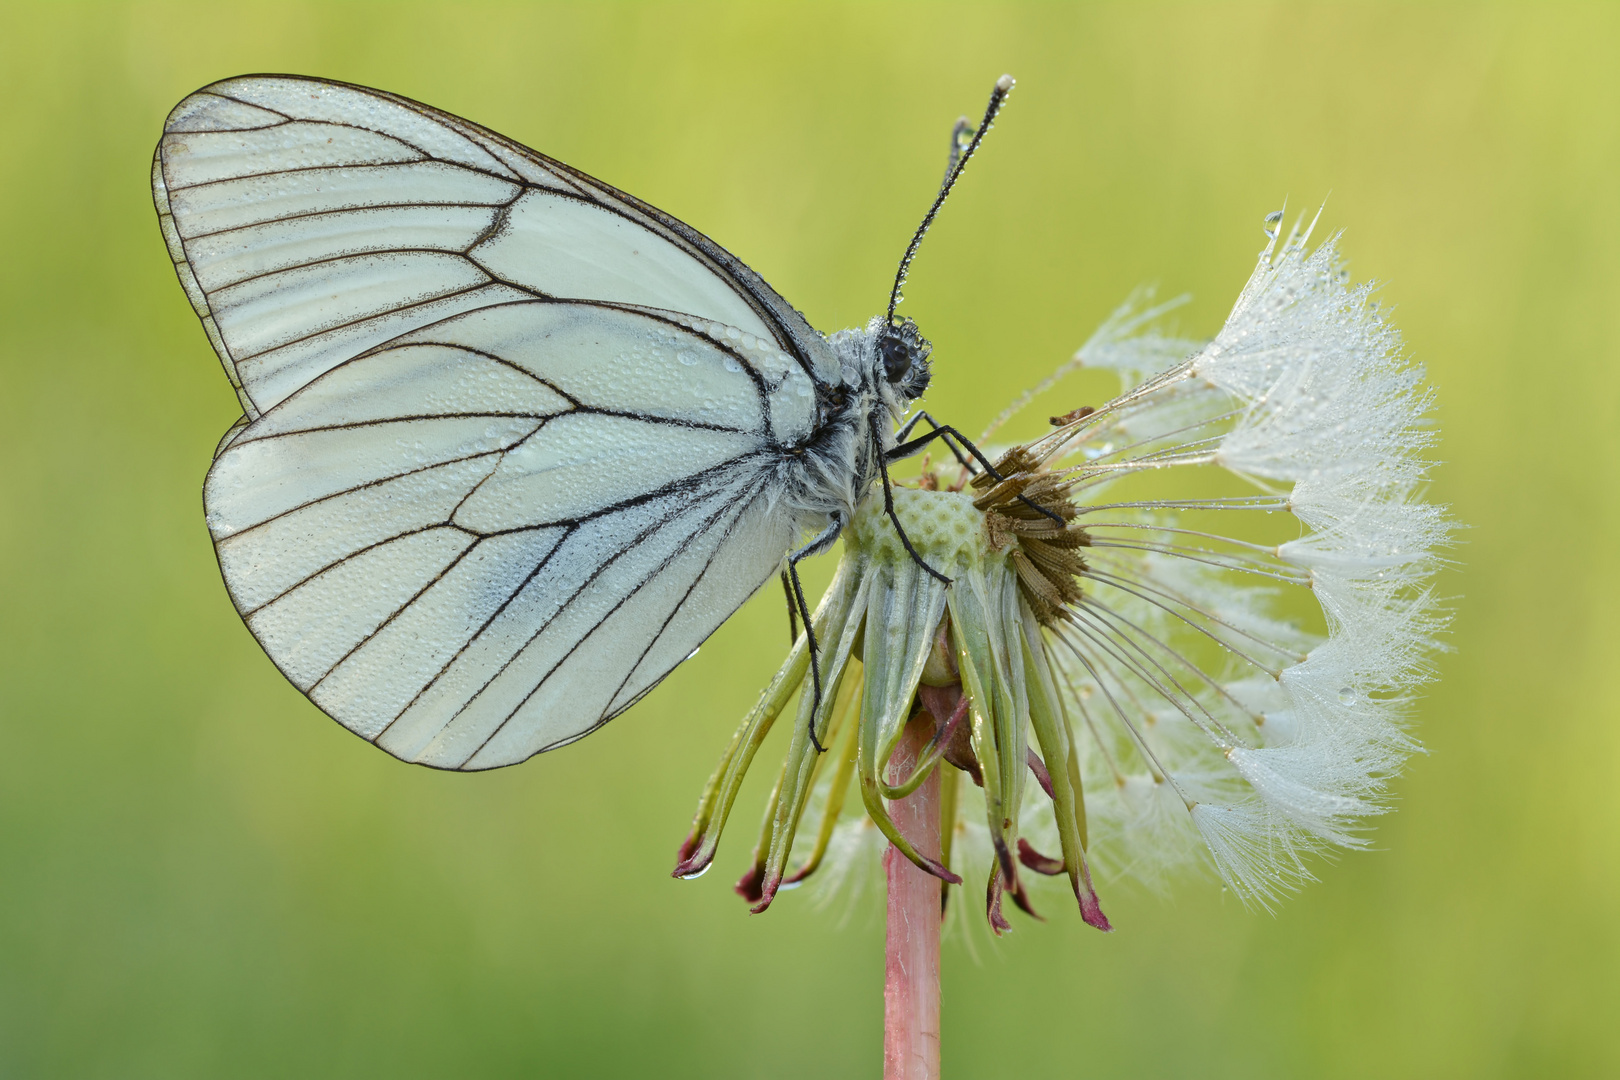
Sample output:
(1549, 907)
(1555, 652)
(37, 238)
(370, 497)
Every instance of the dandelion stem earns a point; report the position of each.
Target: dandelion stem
(911, 947)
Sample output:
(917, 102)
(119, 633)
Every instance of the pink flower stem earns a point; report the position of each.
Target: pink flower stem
(911, 947)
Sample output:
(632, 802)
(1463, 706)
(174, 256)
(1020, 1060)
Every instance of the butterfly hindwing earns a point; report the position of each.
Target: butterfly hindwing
(489, 536)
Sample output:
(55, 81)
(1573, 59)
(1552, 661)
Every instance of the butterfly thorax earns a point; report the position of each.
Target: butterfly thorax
(885, 368)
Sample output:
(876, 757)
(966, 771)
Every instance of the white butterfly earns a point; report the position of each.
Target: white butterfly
(514, 442)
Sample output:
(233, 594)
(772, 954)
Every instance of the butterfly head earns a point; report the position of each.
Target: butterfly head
(902, 360)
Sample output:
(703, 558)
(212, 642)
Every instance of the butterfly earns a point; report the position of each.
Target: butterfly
(514, 443)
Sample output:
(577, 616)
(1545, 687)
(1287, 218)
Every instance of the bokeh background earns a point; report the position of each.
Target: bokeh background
(202, 876)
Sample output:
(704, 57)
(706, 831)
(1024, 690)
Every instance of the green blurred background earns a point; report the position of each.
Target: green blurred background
(202, 876)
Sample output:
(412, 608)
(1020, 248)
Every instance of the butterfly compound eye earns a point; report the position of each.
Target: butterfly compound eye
(896, 353)
(904, 353)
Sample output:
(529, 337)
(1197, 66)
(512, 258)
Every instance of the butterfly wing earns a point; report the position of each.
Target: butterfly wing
(491, 535)
(489, 488)
(309, 221)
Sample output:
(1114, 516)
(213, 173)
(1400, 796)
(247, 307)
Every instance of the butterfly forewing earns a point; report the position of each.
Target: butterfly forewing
(514, 438)
(310, 221)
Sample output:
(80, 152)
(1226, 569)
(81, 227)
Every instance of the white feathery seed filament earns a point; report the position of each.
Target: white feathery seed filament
(1277, 740)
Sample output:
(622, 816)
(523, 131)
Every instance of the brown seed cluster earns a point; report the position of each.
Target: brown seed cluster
(1045, 555)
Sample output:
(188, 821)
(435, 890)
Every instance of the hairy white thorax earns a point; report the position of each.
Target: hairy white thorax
(835, 470)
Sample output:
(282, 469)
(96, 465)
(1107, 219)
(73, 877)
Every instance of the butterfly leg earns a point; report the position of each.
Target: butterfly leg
(944, 432)
(922, 414)
(792, 609)
(819, 543)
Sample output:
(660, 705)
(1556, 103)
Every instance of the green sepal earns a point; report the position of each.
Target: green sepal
(845, 627)
(847, 733)
(714, 806)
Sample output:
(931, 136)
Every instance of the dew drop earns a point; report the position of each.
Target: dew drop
(1347, 695)
(733, 364)
(687, 358)
(1273, 221)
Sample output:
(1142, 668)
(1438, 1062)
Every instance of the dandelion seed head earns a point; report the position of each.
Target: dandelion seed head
(1185, 627)
(1306, 396)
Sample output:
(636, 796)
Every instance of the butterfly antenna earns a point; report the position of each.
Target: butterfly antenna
(958, 161)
